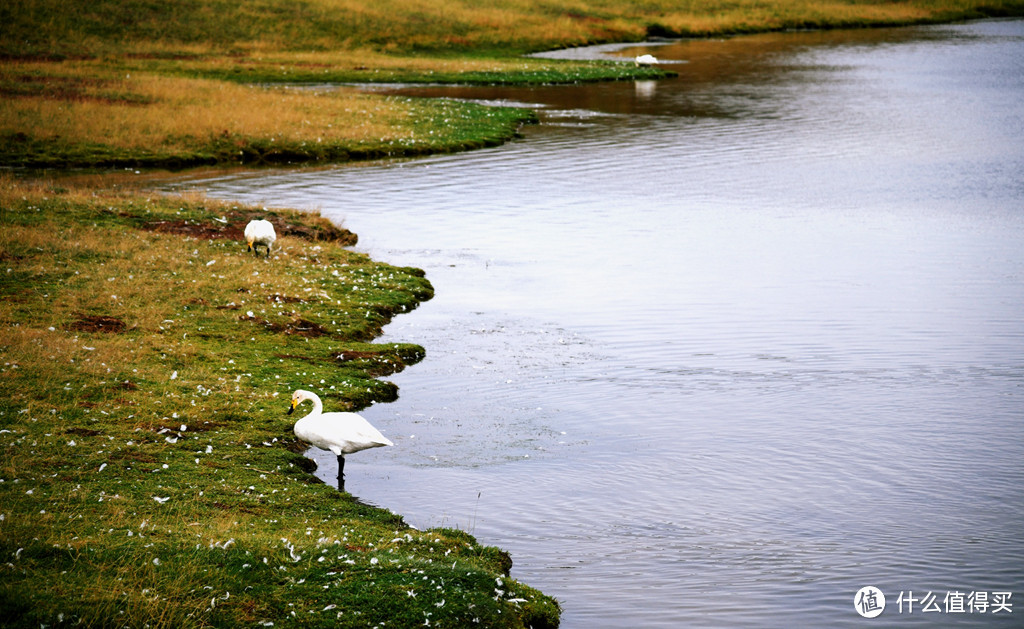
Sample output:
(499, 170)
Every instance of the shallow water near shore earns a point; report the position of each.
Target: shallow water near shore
(719, 350)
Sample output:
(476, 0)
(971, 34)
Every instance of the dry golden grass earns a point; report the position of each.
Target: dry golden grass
(145, 112)
(73, 28)
(756, 16)
(133, 110)
(170, 88)
(360, 58)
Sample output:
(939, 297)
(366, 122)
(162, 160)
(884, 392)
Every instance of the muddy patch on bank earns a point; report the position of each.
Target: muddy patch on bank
(232, 225)
(98, 323)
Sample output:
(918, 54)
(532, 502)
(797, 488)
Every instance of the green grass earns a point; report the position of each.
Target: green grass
(523, 72)
(149, 475)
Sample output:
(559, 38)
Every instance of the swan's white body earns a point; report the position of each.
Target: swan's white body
(646, 60)
(260, 232)
(341, 433)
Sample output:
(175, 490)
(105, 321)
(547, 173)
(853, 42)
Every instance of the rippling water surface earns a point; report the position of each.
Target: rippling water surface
(723, 349)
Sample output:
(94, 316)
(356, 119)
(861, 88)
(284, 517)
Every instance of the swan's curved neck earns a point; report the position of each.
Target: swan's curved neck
(318, 406)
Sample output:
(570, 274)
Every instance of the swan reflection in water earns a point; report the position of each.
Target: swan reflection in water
(645, 90)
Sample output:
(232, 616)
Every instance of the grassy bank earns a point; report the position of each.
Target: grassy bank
(187, 112)
(149, 475)
(74, 114)
(115, 83)
(75, 28)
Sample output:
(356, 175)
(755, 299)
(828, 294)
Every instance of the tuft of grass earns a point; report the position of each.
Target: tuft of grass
(148, 473)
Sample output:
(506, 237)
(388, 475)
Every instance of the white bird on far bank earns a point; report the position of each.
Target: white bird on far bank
(260, 232)
(341, 433)
(646, 60)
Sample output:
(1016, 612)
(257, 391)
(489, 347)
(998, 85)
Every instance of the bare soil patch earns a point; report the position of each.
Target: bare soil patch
(233, 226)
(99, 323)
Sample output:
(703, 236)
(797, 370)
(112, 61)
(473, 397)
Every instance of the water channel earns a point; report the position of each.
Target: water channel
(723, 349)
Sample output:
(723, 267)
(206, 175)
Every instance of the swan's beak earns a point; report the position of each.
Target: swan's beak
(291, 408)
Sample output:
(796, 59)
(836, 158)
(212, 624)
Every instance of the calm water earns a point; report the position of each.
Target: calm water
(723, 349)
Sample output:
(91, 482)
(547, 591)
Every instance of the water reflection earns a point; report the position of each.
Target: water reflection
(722, 352)
(646, 90)
(709, 70)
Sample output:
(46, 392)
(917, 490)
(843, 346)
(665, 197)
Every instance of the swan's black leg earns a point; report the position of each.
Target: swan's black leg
(341, 472)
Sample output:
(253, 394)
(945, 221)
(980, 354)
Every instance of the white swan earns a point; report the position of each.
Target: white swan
(646, 60)
(260, 232)
(341, 433)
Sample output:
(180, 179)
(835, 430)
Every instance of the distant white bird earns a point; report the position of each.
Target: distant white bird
(260, 232)
(646, 60)
(341, 433)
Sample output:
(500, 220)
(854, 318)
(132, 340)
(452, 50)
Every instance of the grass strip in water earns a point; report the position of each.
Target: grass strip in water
(149, 475)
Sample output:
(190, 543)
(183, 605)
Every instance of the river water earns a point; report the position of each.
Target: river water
(723, 349)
